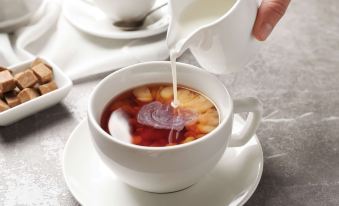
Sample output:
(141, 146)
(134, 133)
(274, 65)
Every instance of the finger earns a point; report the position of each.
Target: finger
(269, 14)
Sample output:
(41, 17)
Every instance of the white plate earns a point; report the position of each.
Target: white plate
(232, 182)
(42, 102)
(84, 15)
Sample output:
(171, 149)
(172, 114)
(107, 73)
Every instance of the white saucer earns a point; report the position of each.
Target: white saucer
(84, 15)
(232, 182)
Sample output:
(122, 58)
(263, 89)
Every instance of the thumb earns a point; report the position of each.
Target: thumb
(269, 14)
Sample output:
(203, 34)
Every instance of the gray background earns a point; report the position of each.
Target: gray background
(295, 75)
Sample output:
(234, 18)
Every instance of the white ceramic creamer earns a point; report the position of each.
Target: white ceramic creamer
(218, 32)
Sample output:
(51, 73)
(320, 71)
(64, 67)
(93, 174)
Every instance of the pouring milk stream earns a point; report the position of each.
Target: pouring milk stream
(196, 14)
(218, 33)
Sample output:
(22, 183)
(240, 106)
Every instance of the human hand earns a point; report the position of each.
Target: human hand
(269, 14)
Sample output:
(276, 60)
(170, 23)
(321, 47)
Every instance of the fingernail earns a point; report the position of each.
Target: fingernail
(266, 31)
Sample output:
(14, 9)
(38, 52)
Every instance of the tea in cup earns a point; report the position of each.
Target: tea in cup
(126, 10)
(144, 116)
(153, 159)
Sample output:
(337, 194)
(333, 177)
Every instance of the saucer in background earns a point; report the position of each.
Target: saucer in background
(231, 182)
(84, 15)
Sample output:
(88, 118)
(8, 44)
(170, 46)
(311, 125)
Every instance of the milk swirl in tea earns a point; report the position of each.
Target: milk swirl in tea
(145, 116)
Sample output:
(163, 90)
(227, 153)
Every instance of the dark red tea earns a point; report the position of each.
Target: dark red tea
(145, 116)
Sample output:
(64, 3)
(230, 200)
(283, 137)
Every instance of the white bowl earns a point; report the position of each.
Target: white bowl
(42, 102)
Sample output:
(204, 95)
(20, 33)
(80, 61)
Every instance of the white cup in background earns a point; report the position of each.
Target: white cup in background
(16, 13)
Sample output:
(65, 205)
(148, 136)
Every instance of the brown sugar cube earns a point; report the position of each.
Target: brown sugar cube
(45, 88)
(27, 94)
(36, 62)
(12, 98)
(43, 73)
(25, 79)
(7, 82)
(39, 61)
(3, 106)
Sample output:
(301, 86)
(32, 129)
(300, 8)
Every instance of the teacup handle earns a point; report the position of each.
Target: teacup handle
(254, 107)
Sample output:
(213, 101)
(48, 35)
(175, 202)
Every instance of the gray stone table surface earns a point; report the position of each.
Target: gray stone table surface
(296, 76)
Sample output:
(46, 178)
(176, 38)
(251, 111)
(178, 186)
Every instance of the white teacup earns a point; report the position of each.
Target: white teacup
(172, 168)
(125, 10)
